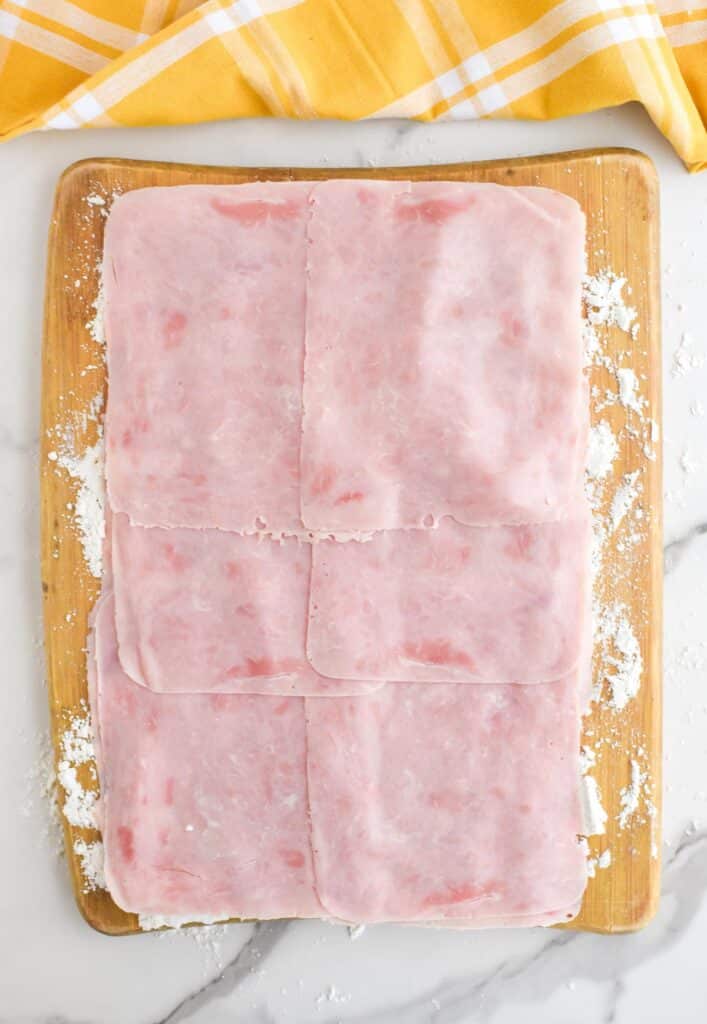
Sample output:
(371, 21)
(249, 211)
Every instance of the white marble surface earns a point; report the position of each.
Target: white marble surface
(53, 968)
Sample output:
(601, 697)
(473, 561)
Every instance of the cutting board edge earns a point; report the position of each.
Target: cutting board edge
(295, 172)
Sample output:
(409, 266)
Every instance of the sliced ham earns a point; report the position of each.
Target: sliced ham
(203, 798)
(205, 292)
(496, 604)
(436, 803)
(400, 363)
(443, 357)
(206, 610)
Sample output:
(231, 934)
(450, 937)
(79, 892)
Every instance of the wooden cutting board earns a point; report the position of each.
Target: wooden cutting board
(618, 190)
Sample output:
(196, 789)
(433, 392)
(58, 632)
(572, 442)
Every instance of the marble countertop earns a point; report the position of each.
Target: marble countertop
(53, 968)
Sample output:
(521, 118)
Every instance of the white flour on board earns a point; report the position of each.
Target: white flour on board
(595, 817)
(601, 862)
(91, 859)
(602, 451)
(621, 654)
(619, 515)
(88, 510)
(628, 390)
(605, 304)
(626, 494)
(630, 795)
(77, 758)
(77, 776)
(96, 325)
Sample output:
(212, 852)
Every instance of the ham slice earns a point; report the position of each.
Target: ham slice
(443, 357)
(204, 798)
(303, 361)
(453, 604)
(205, 294)
(206, 610)
(447, 803)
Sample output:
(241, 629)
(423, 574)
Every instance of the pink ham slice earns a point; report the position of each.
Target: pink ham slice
(496, 604)
(206, 610)
(205, 294)
(447, 803)
(443, 358)
(204, 798)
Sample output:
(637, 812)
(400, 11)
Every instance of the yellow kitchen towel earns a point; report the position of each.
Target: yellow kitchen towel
(67, 64)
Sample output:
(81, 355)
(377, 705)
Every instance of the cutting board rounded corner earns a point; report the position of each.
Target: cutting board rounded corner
(80, 170)
(103, 915)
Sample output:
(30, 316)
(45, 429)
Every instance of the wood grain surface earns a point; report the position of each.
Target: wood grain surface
(619, 193)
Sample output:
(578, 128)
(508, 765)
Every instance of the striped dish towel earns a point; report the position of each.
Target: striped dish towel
(67, 64)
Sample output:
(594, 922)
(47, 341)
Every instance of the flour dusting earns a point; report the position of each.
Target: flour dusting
(600, 863)
(685, 358)
(91, 859)
(88, 511)
(152, 922)
(41, 787)
(602, 451)
(76, 764)
(623, 500)
(605, 304)
(620, 521)
(595, 817)
(621, 654)
(629, 396)
(630, 795)
(96, 325)
(332, 995)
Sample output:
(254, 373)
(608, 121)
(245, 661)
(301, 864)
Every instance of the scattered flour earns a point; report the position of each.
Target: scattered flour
(151, 922)
(96, 325)
(41, 783)
(209, 939)
(630, 795)
(602, 451)
(687, 464)
(356, 931)
(91, 857)
(88, 510)
(628, 390)
(95, 200)
(621, 654)
(685, 358)
(332, 995)
(626, 494)
(595, 817)
(601, 862)
(604, 302)
(615, 507)
(77, 756)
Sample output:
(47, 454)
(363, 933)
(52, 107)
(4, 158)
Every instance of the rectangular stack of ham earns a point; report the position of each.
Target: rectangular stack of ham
(337, 663)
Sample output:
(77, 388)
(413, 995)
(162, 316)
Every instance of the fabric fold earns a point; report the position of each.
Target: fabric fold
(139, 64)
